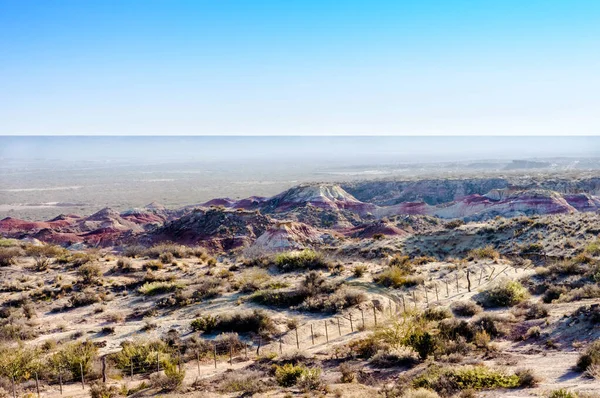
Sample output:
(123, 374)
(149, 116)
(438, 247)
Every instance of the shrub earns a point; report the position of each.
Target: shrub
(124, 265)
(348, 373)
(419, 393)
(300, 260)
(205, 323)
(278, 298)
(173, 376)
(77, 356)
(492, 324)
(154, 288)
(86, 297)
(593, 248)
(18, 362)
(465, 308)
(253, 279)
(359, 271)
(89, 273)
(246, 382)
(423, 342)
(310, 379)
(396, 277)
(447, 381)
(142, 354)
(527, 378)
(553, 293)
(168, 249)
(562, 393)
(536, 311)
(590, 357)
(482, 253)
(289, 374)
(436, 313)
(402, 262)
(8, 255)
(506, 293)
(101, 390)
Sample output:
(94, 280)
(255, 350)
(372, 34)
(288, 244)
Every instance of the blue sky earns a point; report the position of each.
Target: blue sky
(299, 67)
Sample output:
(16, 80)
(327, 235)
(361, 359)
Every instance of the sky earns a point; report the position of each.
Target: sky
(426, 67)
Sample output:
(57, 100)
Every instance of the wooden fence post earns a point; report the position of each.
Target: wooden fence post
(258, 347)
(351, 326)
(37, 384)
(362, 315)
(60, 379)
(230, 354)
(403, 303)
(81, 371)
(280, 346)
(492, 274)
(468, 280)
(312, 335)
(375, 314)
(437, 296)
(131, 366)
(297, 341)
(339, 327)
(326, 332)
(426, 295)
(457, 287)
(104, 369)
(157, 362)
(198, 361)
(215, 354)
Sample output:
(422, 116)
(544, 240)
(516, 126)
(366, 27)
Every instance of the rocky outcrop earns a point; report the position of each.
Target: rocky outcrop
(289, 235)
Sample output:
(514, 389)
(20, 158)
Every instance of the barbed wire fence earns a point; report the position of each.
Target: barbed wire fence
(317, 333)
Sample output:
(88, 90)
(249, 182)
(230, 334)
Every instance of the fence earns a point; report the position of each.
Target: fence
(441, 290)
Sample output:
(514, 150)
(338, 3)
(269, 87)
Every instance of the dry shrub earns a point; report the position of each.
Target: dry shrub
(505, 293)
(8, 255)
(465, 308)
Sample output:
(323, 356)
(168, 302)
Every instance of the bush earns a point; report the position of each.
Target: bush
(278, 298)
(246, 382)
(289, 374)
(155, 288)
(142, 354)
(553, 293)
(593, 248)
(253, 279)
(436, 313)
(8, 255)
(359, 271)
(402, 262)
(168, 250)
(419, 393)
(77, 356)
(101, 390)
(256, 321)
(89, 273)
(527, 379)
(482, 253)
(300, 260)
(562, 393)
(396, 277)
(310, 379)
(85, 298)
(506, 293)
(492, 324)
(590, 357)
(18, 362)
(448, 381)
(465, 308)
(124, 265)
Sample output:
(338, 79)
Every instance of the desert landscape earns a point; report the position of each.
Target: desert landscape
(421, 287)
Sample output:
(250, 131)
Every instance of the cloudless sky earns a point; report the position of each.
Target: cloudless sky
(299, 67)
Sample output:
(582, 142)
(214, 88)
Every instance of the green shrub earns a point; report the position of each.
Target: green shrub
(590, 357)
(101, 390)
(154, 288)
(246, 382)
(279, 298)
(562, 393)
(18, 362)
(450, 380)
(310, 379)
(300, 260)
(253, 279)
(142, 354)
(593, 248)
(205, 323)
(289, 374)
(506, 293)
(77, 356)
